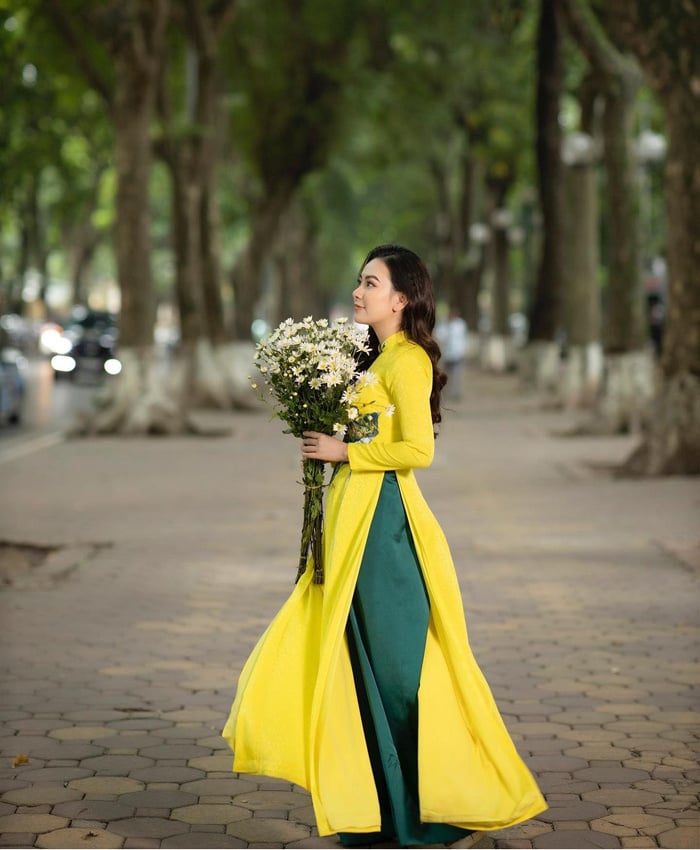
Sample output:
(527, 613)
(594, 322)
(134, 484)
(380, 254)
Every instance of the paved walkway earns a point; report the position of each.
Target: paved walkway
(120, 650)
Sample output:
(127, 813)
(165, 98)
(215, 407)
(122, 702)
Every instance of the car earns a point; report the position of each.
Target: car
(12, 383)
(86, 345)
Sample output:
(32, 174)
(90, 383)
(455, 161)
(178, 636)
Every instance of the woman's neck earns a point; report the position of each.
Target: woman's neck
(384, 331)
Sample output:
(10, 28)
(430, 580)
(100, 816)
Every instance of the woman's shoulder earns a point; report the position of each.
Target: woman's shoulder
(409, 357)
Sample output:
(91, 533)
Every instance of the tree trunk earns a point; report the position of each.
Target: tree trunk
(582, 367)
(672, 443)
(629, 366)
(538, 361)
(296, 267)
(624, 326)
(545, 311)
(248, 273)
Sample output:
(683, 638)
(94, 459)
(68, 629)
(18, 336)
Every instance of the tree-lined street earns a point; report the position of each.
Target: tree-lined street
(120, 651)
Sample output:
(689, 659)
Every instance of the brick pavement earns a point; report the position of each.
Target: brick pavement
(120, 652)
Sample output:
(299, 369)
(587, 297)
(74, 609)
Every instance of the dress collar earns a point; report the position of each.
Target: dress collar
(393, 340)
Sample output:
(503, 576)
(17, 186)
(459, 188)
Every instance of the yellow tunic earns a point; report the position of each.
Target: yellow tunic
(296, 714)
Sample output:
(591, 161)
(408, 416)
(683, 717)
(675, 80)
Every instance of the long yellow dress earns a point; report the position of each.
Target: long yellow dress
(296, 714)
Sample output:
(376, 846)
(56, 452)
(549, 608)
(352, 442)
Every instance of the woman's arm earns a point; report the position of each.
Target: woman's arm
(410, 383)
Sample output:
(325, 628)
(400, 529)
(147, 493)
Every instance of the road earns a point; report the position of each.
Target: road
(49, 406)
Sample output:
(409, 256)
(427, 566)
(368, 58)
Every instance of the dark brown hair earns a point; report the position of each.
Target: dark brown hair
(410, 276)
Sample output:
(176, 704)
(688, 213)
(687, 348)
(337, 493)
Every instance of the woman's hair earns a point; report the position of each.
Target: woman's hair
(410, 276)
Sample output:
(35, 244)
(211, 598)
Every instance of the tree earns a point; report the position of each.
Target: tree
(541, 362)
(665, 39)
(118, 48)
(53, 156)
(628, 384)
(188, 143)
(292, 62)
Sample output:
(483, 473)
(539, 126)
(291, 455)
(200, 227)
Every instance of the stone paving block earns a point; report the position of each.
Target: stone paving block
(31, 823)
(72, 837)
(680, 837)
(202, 840)
(222, 763)
(598, 751)
(619, 775)
(106, 785)
(638, 841)
(271, 800)
(677, 718)
(622, 797)
(116, 765)
(147, 827)
(96, 810)
(200, 814)
(304, 814)
(21, 744)
(132, 741)
(157, 799)
(562, 839)
(81, 733)
(54, 774)
(572, 810)
(554, 763)
(174, 773)
(141, 723)
(39, 795)
(53, 751)
(14, 839)
(175, 751)
(228, 787)
(267, 830)
(198, 715)
(213, 743)
(543, 746)
(633, 824)
(637, 727)
(318, 841)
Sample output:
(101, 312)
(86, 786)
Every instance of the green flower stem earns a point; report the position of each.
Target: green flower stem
(312, 525)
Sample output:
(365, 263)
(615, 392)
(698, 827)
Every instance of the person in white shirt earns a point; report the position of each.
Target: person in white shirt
(452, 337)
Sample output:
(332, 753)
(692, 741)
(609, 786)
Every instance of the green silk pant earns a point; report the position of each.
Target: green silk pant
(386, 635)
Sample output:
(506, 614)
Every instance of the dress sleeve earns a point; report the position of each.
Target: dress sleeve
(410, 383)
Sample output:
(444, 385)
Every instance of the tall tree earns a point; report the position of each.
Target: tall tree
(291, 65)
(628, 383)
(546, 308)
(119, 49)
(665, 39)
(189, 144)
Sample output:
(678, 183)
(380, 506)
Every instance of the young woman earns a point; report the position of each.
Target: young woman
(364, 689)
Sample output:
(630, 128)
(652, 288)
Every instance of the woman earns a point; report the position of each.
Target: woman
(364, 690)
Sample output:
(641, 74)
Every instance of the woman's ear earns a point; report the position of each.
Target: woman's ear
(400, 301)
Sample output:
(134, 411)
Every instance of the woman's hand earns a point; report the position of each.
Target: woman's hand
(316, 446)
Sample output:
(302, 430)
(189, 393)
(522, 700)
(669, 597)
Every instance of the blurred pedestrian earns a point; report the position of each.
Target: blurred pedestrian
(452, 336)
(364, 689)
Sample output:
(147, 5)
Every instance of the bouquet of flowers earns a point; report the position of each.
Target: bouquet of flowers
(310, 370)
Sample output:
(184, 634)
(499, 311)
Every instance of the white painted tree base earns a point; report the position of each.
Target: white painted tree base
(580, 376)
(539, 365)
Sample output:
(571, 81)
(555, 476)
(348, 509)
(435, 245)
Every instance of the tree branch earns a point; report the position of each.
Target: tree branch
(65, 25)
(591, 38)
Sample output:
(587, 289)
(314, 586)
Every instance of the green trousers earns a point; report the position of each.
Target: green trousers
(386, 635)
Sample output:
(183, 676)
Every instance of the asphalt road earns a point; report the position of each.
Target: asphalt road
(48, 408)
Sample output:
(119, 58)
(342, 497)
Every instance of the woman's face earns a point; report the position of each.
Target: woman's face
(376, 301)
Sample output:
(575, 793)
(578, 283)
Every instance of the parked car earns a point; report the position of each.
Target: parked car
(12, 383)
(87, 345)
